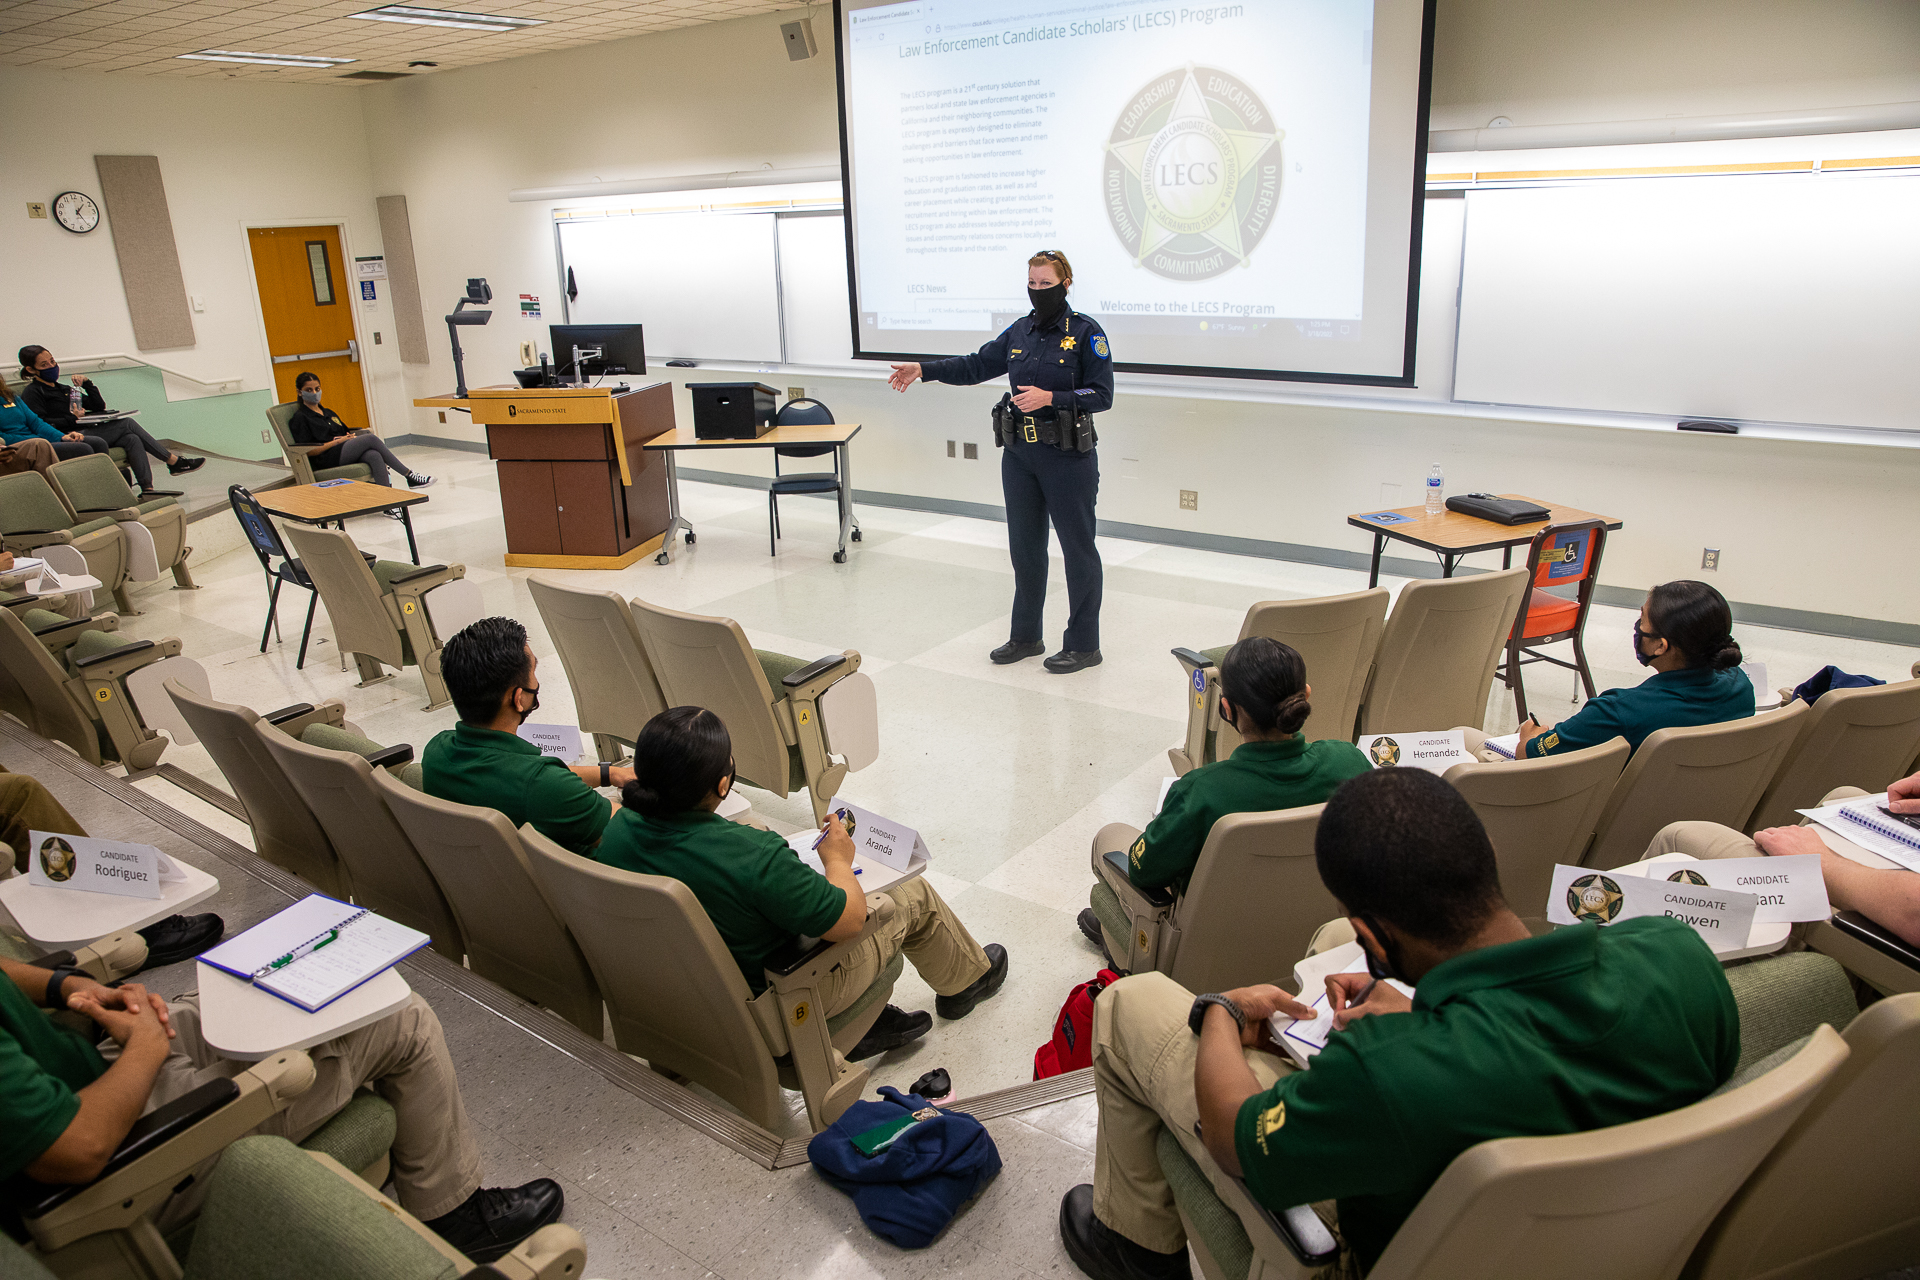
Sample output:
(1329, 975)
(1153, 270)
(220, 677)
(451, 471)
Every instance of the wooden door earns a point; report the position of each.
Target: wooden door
(307, 299)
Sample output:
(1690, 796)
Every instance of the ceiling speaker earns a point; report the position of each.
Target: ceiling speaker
(799, 38)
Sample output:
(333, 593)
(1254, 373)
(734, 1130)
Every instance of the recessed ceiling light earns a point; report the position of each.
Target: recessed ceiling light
(264, 59)
(447, 18)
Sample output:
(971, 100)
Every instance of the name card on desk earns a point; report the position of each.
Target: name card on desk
(99, 866)
(1435, 752)
(1580, 894)
(561, 741)
(882, 839)
(1789, 889)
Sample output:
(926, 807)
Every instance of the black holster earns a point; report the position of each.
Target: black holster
(1067, 432)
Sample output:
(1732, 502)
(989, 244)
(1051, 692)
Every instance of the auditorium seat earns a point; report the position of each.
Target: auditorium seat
(1336, 636)
(32, 516)
(388, 612)
(512, 935)
(1706, 773)
(299, 456)
(68, 680)
(1539, 813)
(780, 711)
(385, 870)
(1438, 652)
(1851, 738)
(1253, 904)
(614, 689)
(675, 995)
(93, 487)
(1628, 1200)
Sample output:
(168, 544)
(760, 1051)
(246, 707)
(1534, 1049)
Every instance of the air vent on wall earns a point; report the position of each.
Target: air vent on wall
(376, 75)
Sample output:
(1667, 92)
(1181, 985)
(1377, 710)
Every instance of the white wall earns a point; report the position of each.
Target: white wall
(231, 154)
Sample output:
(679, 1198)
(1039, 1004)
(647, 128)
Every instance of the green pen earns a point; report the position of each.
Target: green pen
(304, 949)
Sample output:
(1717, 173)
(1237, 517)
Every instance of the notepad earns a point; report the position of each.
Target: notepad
(1507, 744)
(1304, 1039)
(367, 946)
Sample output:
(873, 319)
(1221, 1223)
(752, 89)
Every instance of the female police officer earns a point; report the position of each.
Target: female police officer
(1061, 371)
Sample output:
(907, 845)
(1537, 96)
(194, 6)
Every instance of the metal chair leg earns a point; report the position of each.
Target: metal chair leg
(1580, 657)
(1516, 680)
(273, 612)
(312, 600)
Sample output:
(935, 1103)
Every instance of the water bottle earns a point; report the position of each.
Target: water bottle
(1436, 485)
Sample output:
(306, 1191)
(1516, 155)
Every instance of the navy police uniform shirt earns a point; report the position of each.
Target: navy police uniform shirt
(1069, 357)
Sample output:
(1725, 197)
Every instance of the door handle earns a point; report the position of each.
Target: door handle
(351, 349)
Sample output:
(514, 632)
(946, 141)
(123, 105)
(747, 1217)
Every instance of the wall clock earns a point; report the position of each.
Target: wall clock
(76, 211)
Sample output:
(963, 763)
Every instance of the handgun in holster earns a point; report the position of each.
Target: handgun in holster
(1004, 415)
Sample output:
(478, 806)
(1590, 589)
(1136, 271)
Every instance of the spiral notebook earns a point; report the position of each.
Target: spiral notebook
(362, 946)
(1869, 823)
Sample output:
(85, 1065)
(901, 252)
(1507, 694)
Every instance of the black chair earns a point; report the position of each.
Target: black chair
(266, 544)
(811, 413)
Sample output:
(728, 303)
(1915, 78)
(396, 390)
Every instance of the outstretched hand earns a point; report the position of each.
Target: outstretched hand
(903, 376)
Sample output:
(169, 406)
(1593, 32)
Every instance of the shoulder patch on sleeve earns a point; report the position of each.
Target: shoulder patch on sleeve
(1549, 742)
(1139, 848)
(1100, 345)
(1270, 1121)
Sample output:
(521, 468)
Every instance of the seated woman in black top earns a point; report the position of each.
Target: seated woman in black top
(53, 404)
(315, 424)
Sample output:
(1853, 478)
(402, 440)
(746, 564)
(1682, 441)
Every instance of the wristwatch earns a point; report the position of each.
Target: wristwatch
(57, 978)
(1198, 1015)
(606, 774)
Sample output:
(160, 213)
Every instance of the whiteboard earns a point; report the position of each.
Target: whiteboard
(813, 288)
(1780, 298)
(704, 285)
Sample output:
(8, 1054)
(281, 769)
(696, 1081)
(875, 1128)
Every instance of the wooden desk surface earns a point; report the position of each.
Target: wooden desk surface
(1452, 531)
(310, 502)
(779, 437)
(448, 400)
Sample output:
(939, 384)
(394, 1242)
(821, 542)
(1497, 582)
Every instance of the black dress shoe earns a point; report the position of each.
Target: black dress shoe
(1067, 661)
(960, 1005)
(494, 1220)
(1014, 650)
(180, 938)
(1104, 1253)
(184, 464)
(893, 1028)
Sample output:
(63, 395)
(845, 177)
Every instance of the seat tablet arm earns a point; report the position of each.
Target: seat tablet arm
(1157, 897)
(1193, 659)
(812, 671)
(131, 647)
(391, 757)
(118, 513)
(803, 951)
(161, 1125)
(1877, 936)
(51, 628)
(33, 533)
(287, 713)
(421, 572)
(53, 960)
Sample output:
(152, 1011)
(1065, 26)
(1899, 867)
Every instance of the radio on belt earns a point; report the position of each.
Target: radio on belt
(731, 410)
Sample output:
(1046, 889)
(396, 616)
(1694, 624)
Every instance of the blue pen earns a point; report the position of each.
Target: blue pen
(837, 813)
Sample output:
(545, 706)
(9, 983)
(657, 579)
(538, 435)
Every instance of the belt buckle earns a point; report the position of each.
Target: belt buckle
(1033, 431)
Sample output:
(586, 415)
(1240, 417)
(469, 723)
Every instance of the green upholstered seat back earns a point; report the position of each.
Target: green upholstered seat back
(27, 503)
(1783, 998)
(272, 1210)
(281, 418)
(334, 738)
(92, 483)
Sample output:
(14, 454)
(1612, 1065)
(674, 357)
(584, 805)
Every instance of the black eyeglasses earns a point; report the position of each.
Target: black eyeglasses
(1055, 254)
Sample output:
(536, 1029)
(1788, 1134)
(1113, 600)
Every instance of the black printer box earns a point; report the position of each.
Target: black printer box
(731, 410)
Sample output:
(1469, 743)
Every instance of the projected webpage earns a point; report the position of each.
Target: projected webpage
(1220, 176)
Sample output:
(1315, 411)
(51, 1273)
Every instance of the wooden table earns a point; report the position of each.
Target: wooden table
(1453, 536)
(335, 501)
(837, 434)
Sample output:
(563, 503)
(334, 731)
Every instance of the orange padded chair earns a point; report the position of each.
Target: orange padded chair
(1562, 555)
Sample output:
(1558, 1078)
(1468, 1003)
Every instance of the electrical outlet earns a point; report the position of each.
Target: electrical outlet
(1189, 499)
(1710, 558)
(796, 393)
(949, 448)
(971, 450)
(266, 437)
(376, 337)
(443, 415)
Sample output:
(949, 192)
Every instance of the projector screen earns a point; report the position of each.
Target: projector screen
(1237, 186)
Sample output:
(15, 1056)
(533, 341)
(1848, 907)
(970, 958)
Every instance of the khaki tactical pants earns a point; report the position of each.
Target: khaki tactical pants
(27, 806)
(924, 927)
(403, 1057)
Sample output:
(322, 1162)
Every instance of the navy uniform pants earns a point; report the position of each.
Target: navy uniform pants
(1043, 484)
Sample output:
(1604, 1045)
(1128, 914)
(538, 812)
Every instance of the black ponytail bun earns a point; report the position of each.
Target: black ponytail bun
(1267, 682)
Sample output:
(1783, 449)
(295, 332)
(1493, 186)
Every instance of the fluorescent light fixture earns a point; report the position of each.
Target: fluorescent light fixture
(265, 59)
(447, 18)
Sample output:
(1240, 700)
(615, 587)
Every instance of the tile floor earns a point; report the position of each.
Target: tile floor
(1008, 771)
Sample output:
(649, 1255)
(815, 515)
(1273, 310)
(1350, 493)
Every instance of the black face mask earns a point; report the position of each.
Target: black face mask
(536, 703)
(1377, 968)
(1048, 302)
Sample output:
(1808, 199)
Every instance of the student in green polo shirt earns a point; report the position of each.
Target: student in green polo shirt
(491, 675)
(760, 896)
(1685, 633)
(1263, 696)
(1507, 1035)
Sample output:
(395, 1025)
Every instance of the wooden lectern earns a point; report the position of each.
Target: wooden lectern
(577, 491)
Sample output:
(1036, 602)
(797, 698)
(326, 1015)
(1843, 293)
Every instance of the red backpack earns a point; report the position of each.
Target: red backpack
(1072, 1045)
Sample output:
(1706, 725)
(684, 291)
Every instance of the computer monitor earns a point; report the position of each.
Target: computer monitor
(620, 346)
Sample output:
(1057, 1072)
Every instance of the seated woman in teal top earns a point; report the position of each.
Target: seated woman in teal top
(1685, 633)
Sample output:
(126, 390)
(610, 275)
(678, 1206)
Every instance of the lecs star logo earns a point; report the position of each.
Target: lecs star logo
(1595, 898)
(1192, 176)
(1385, 753)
